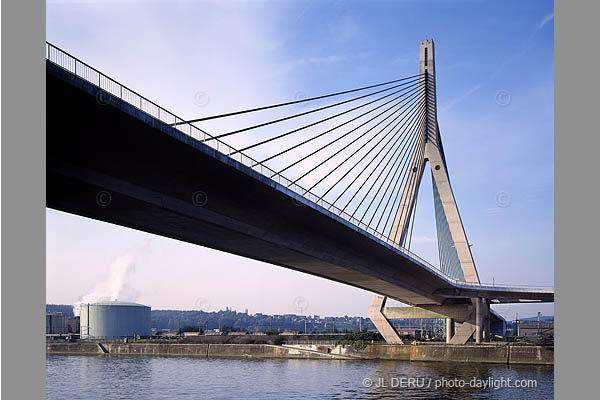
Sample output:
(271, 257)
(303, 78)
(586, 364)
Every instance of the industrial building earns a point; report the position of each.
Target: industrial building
(57, 323)
(535, 328)
(114, 320)
(74, 325)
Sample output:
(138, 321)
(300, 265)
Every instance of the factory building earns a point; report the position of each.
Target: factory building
(114, 320)
(57, 323)
(74, 325)
(534, 328)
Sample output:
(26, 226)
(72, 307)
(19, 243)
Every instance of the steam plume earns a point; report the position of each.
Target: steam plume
(115, 287)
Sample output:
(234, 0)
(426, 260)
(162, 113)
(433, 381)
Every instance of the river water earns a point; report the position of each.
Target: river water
(151, 377)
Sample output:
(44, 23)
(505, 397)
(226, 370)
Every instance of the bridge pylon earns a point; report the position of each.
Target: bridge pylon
(456, 259)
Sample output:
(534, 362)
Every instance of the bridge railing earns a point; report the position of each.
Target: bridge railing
(312, 342)
(116, 89)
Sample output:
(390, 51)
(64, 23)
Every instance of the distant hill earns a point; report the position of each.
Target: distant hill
(174, 319)
(66, 309)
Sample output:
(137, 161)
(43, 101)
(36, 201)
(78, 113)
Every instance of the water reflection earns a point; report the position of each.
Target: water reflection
(134, 377)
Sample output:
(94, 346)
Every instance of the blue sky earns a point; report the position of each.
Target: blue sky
(495, 107)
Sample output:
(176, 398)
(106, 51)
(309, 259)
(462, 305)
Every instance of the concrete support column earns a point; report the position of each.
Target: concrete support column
(478, 320)
(449, 329)
(488, 323)
(383, 325)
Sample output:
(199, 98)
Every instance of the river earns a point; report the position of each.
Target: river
(151, 377)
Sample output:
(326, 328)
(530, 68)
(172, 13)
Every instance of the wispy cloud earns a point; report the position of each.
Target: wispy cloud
(495, 210)
(544, 21)
(458, 99)
(527, 44)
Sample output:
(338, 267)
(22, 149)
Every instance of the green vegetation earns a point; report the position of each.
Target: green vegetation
(359, 339)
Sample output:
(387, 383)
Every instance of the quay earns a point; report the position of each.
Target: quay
(499, 353)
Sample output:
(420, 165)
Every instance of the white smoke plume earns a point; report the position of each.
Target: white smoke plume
(115, 287)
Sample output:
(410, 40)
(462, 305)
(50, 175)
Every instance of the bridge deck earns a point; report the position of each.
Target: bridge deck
(158, 180)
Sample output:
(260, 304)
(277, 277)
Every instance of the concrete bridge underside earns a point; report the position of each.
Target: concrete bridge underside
(109, 161)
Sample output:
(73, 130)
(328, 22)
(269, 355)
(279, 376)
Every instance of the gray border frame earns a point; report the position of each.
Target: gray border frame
(23, 199)
(576, 195)
(23, 195)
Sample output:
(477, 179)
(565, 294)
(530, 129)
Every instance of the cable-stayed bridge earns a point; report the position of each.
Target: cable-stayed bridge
(326, 185)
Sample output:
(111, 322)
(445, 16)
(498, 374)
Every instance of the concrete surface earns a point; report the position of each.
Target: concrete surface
(484, 353)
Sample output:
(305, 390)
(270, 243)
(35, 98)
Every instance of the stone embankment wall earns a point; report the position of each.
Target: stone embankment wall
(492, 353)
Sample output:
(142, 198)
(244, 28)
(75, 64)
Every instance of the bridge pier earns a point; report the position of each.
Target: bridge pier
(383, 325)
(450, 324)
(463, 314)
(487, 331)
(478, 320)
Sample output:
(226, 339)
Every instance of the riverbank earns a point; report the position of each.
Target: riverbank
(483, 353)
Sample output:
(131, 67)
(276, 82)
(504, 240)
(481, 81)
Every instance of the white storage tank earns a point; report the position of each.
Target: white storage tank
(114, 320)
